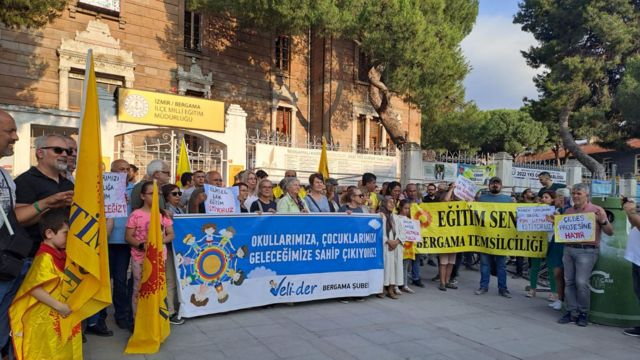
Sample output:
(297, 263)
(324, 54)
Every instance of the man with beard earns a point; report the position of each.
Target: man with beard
(493, 196)
(42, 188)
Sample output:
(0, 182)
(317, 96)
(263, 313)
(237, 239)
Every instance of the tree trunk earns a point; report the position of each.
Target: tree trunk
(597, 170)
(380, 97)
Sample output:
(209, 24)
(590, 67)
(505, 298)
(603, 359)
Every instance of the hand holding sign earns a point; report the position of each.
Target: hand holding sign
(465, 189)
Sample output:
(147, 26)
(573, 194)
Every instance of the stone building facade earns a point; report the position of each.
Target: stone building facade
(299, 87)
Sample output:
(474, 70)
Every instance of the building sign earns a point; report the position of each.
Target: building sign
(145, 107)
(524, 178)
(111, 5)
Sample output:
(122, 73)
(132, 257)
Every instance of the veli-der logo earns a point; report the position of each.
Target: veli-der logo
(289, 288)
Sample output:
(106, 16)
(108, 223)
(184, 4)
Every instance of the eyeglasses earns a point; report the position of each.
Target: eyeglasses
(176, 193)
(58, 150)
(168, 173)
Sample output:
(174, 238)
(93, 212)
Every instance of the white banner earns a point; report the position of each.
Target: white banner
(276, 159)
(409, 229)
(524, 178)
(436, 171)
(115, 188)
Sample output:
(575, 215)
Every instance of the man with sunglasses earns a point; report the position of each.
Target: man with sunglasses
(42, 188)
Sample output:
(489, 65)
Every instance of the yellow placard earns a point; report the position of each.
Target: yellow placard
(575, 228)
(145, 107)
(490, 228)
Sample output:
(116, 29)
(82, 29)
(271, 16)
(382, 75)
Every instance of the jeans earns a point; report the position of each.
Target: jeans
(415, 270)
(578, 264)
(119, 258)
(8, 290)
(635, 276)
(485, 271)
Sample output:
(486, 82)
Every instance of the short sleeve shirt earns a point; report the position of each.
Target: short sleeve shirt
(7, 193)
(553, 187)
(32, 186)
(139, 222)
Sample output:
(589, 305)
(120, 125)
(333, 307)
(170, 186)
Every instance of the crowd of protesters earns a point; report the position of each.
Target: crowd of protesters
(48, 187)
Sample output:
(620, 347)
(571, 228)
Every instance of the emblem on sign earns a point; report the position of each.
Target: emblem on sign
(136, 105)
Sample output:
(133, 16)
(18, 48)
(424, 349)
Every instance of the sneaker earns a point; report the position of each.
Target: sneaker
(566, 318)
(451, 285)
(632, 332)
(418, 283)
(98, 330)
(481, 291)
(505, 293)
(176, 320)
(552, 297)
(454, 281)
(442, 287)
(556, 305)
(582, 320)
(407, 290)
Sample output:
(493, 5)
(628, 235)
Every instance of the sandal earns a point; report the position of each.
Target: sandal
(393, 295)
(531, 293)
(442, 287)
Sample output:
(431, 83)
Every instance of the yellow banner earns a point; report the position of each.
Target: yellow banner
(183, 163)
(145, 107)
(86, 285)
(152, 316)
(490, 228)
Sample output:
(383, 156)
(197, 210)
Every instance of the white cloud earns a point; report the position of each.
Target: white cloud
(500, 76)
(261, 271)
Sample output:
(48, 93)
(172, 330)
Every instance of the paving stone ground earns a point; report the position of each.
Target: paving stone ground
(430, 324)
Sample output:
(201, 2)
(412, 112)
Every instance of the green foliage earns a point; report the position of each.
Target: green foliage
(628, 97)
(29, 13)
(471, 130)
(584, 48)
(417, 41)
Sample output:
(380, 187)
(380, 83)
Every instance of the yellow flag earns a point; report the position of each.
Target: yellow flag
(152, 317)
(86, 286)
(323, 167)
(183, 163)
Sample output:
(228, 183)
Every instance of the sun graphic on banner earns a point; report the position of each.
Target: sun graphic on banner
(152, 272)
(424, 217)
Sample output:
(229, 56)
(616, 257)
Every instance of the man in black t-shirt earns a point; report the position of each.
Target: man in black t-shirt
(42, 188)
(547, 183)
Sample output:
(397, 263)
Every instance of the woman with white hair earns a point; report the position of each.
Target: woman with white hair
(249, 177)
(291, 202)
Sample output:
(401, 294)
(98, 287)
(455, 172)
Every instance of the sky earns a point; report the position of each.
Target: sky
(499, 77)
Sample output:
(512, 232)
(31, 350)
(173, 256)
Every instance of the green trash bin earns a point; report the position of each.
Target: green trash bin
(613, 301)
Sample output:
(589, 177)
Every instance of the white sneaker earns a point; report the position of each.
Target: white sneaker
(556, 305)
(407, 290)
(398, 292)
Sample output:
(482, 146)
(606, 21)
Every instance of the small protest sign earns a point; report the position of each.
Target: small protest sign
(115, 188)
(410, 229)
(534, 218)
(221, 200)
(572, 228)
(465, 189)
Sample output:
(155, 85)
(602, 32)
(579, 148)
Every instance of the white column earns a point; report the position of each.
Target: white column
(367, 131)
(574, 172)
(383, 141)
(63, 89)
(504, 168)
(354, 132)
(236, 129)
(294, 127)
(274, 116)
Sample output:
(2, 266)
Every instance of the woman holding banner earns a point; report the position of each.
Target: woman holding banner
(316, 201)
(291, 202)
(392, 250)
(265, 202)
(353, 201)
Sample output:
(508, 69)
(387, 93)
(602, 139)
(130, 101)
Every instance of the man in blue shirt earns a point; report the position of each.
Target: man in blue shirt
(494, 196)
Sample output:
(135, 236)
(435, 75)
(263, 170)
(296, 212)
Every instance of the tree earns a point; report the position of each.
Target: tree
(30, 13)
(412, 45)
(471, 130)
(512, 131)
(584, 46)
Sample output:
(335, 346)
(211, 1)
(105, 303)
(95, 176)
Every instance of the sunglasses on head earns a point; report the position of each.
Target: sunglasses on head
(176, 193)
(58, 150)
